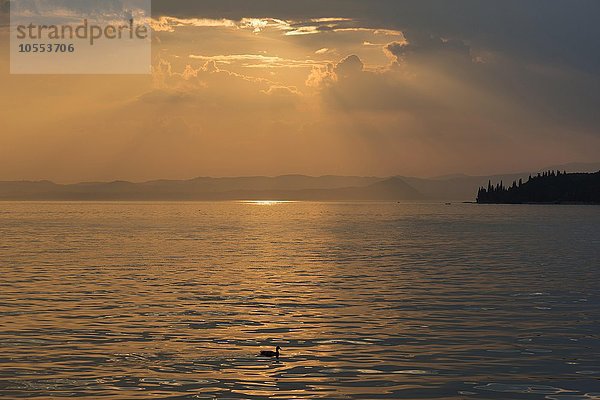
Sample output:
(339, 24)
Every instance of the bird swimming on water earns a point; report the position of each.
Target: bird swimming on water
(269, 353)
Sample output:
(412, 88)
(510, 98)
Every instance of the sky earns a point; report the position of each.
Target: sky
(340, 87)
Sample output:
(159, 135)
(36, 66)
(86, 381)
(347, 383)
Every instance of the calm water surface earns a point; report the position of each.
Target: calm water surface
(174, 301)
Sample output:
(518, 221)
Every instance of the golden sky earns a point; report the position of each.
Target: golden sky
(321, 89)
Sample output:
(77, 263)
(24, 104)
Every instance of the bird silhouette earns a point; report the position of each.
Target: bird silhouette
(269, 353)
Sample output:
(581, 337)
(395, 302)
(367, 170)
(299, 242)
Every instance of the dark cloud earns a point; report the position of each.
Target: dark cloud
(425, 44)
(348, 86)
(349, 67)
(87, 7)
(542, 56)
(441, 78)
(560, 32)
(237, 9)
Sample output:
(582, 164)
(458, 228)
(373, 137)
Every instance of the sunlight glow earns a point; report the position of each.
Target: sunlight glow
(266, 202)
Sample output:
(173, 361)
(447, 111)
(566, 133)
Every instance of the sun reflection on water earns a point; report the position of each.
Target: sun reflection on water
(266, 202)
(367, 300)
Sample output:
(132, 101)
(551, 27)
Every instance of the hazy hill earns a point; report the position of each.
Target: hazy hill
(464, 187)
(456, 187)
(293, 187)
(574, 167)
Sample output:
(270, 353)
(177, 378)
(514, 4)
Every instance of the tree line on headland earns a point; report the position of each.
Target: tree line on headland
(552, 187)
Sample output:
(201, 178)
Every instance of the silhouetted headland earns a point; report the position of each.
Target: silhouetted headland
(552, 187)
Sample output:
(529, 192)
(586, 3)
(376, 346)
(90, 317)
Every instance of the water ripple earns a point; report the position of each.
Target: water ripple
(367, 301)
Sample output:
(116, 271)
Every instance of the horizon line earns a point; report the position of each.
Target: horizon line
(436, 177)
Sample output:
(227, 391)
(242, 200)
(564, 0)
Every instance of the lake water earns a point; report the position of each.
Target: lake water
(367, 301)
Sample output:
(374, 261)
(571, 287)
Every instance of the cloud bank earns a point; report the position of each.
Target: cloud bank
(337, 87)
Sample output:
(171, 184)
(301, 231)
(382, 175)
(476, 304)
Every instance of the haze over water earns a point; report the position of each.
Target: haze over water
(367, 300)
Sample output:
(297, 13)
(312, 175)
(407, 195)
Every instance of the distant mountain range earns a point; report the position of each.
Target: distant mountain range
(289, 187)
